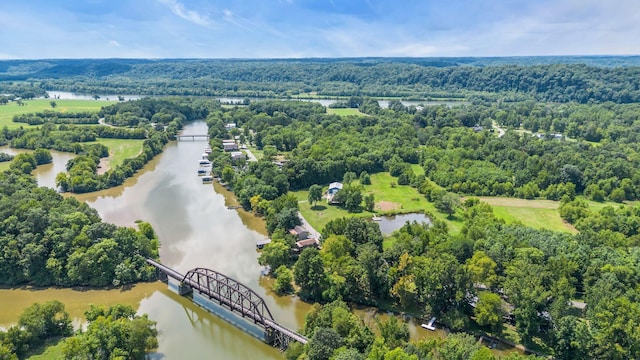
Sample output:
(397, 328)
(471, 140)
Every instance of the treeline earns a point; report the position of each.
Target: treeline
(320, 148)
(334, 332)
(113, 332)
(81, 176)
(51, 240)
(57, 117)
(557, 82)
(164, 112)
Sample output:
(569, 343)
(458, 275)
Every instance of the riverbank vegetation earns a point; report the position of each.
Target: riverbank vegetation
(50, 240)
(110, 333)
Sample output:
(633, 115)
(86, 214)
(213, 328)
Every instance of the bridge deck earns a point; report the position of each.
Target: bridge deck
(245, 312)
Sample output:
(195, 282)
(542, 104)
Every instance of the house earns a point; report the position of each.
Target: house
(238, 155)
(230, 126)
(260, 244)
(299, 232)
(303, 244)
(230, 145)
(334, 187)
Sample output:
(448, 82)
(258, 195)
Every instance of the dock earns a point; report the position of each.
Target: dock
(431, 325)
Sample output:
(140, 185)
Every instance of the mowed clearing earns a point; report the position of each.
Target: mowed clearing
(8, 111)
(538, 214)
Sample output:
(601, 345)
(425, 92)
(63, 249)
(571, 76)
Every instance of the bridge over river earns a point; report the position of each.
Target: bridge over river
(224, 294)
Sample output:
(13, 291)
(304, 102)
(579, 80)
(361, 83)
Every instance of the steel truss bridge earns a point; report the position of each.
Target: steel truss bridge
(235, 296)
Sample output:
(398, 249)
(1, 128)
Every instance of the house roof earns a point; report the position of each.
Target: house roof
(298, 230)
(307, 242)
(335, 185)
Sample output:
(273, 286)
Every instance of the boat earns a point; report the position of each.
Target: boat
(431, 325)
(205, 162)
(207, 150)
(205, 156)
(207, 179)
(376, 218)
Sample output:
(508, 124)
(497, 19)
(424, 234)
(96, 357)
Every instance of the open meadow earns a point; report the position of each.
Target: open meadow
(8, 111)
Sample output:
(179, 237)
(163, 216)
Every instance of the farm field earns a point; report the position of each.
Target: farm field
(8, 111)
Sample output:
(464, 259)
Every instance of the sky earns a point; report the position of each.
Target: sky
(44, 29)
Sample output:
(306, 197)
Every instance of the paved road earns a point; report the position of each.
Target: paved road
(250, 155)
(501, 131)
(312, 232)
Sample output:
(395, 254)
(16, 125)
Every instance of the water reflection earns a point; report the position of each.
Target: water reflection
(389, 224)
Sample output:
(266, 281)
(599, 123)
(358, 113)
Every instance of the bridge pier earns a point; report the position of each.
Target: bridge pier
(162, 276)
(184, 289)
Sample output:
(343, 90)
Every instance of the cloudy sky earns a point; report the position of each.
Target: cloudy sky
(35, 29)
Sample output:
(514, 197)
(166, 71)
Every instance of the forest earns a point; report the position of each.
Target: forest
(557, 79)
(505, 280)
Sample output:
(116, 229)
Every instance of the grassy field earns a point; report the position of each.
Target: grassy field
(9, 110)
(344, 112)
(389, 200)
(120, 149)
(539, 214)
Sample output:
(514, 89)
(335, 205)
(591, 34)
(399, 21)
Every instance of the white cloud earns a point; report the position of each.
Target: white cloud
(114, 43)
(189, 15)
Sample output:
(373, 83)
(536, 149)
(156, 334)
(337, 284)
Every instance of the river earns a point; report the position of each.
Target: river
(196, 229)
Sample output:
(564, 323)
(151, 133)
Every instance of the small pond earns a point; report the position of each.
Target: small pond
(389, 224)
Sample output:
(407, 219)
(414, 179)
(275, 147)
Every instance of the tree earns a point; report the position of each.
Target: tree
(275, 254)
(228, 175)
(365, 179)
(53, 104)
(395, 333)
(323, 343)
(309, 274)
(284, 276)
(42, 156)
(349, 177)
(489, 310)
(315, 194)
(46, 320)
(369, 202)
(448, 204)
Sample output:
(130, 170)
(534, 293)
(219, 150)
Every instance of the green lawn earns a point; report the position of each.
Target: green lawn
(344, 112)
(120, 149)
(389, 200)
(9, 110)
(4, 165)
(536, 218)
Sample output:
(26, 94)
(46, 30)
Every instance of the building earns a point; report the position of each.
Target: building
(230, 145)
(299, 232)
(238, 155)
(230, 126)
(334, 187)
(303, 244)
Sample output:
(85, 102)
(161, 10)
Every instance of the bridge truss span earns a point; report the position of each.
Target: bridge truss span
(227, 291)
(234, 295)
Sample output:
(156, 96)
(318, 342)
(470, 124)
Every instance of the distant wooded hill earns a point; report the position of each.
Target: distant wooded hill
(560, 79)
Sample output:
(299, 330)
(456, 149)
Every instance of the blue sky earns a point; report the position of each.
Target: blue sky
(36, 29)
